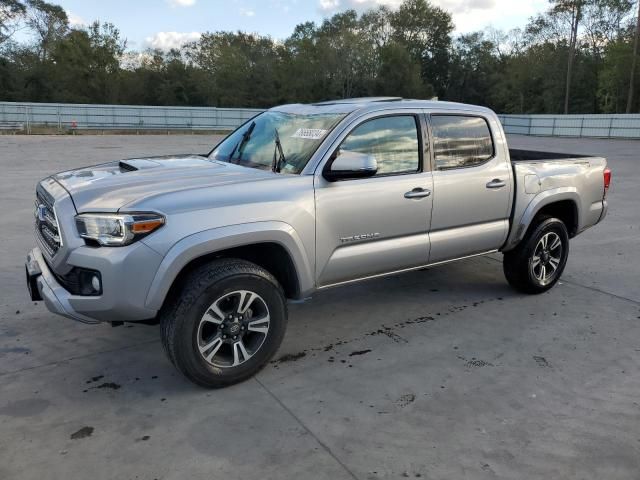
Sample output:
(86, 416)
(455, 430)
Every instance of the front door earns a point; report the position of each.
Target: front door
(371, 226)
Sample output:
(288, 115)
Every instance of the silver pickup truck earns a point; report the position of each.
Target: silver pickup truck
(300, 198)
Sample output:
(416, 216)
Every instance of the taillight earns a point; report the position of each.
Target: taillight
(607, 179)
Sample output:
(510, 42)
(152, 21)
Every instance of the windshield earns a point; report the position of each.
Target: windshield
(278, 141)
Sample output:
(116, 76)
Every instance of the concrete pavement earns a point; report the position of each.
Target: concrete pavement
(442, 373)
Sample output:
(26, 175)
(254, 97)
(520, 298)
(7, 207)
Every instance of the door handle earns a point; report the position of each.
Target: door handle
(418, 193)
(496, 183)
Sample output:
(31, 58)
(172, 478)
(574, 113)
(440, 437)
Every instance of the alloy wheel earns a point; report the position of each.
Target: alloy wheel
(546, 258)
(233, 329)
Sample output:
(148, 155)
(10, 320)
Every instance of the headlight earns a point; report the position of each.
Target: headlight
(115, 229)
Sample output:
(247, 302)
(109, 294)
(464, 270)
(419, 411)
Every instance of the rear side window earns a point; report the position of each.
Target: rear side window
(460, 141)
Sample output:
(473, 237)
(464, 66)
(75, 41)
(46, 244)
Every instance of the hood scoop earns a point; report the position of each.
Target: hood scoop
(133, 164)
(127, 167)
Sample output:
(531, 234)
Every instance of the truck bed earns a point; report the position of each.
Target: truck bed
(549, 176)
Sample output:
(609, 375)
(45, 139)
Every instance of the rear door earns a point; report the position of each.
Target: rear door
(376, 225)
(472, 182)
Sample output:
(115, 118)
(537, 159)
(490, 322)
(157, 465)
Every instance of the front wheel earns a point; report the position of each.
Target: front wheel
(226, 324)
(537, 263)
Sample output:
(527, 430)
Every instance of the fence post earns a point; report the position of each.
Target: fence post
(529, 128)
(581, 126)
(59, 120)
(610, 125)
(553, 128)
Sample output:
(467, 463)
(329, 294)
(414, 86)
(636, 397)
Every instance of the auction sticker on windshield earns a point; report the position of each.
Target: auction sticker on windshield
(310, 133)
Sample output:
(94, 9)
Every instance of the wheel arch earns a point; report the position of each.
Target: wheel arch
(562, 203)
(275, 246)
(565, 210)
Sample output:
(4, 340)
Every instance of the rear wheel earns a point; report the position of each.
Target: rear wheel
(226, 324)
(537, 263)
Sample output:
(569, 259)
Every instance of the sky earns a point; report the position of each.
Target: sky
(169, 23)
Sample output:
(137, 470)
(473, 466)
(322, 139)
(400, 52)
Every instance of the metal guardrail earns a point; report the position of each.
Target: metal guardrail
(13, 126)
(595, 126)
(68, 117)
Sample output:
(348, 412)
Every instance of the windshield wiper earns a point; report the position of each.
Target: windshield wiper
(279, 159)
(243, 141)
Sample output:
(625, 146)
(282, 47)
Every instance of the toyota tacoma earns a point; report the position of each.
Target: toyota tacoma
(300, 198)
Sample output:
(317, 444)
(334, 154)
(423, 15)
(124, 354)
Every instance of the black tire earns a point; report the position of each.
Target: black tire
(518, 263)
(182, 323)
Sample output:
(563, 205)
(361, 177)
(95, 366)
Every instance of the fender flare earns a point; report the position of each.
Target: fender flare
(222, 238)
(520, 227)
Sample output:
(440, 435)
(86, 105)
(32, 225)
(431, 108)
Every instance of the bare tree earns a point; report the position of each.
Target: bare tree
(11, 11)
(49, 22)
(574, 8)
(558, 25)
(632, 76)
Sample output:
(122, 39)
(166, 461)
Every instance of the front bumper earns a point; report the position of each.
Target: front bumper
(43, 285)
(126, 273)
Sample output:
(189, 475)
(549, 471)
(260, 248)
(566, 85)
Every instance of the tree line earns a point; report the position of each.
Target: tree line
(579, 56)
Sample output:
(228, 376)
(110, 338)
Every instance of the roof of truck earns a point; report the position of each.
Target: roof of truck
(348, 105)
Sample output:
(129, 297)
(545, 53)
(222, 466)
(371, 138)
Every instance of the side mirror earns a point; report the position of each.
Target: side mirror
(350, 164)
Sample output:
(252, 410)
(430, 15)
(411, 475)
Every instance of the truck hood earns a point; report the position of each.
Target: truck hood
(111, 186)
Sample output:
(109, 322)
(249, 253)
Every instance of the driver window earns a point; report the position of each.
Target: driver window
(392, 140)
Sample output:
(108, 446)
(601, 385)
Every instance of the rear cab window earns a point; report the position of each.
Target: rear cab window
(460, 141)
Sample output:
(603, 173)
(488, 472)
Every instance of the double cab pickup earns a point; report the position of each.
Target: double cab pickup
(300, 198)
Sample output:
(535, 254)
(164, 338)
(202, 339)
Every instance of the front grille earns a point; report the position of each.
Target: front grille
(46, 223)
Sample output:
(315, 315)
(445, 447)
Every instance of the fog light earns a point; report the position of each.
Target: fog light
(82, 281)
(95, 283)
